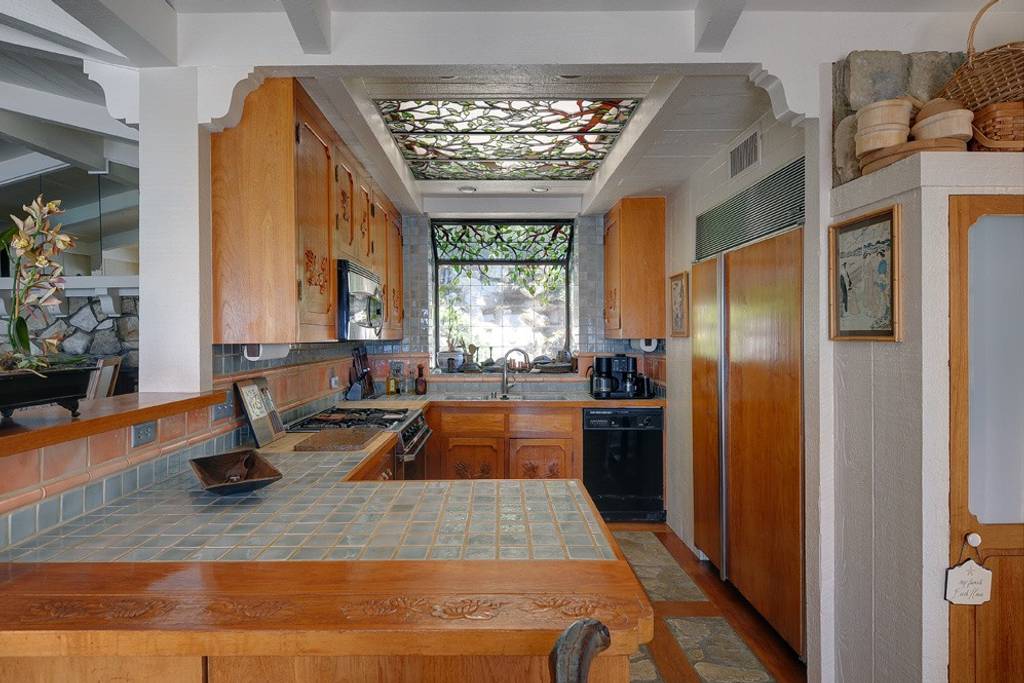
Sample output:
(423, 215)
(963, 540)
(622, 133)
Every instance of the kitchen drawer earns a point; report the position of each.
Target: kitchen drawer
(460, 422)
(378, 467)
(551, 421)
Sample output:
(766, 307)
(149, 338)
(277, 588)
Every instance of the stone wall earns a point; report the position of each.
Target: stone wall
(868, 76)
(87, 330)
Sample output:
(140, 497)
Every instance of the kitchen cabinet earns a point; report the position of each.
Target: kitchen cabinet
(539, 458)
(288, 199)
(273, 206)
(379, 466)
(394, 310)
(473, 457)
(518, 442)
(634, 269)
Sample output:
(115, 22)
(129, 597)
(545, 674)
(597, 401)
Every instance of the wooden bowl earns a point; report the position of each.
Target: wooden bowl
(235, 471)
(937, 106)
(884, 113)
(879, 137)
(955, 123)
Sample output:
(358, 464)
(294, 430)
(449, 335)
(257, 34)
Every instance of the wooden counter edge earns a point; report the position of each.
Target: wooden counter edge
(38, 427)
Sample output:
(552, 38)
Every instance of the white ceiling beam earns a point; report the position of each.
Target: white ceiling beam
(144, 31)
(27, 165)
(81, 149)
(311, 21)
(66, 111)
(713, 22)
(48, 22)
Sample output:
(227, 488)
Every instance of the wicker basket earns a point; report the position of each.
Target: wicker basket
(991, 76)
(999, 128)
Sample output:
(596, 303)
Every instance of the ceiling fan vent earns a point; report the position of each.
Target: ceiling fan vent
(744, 155)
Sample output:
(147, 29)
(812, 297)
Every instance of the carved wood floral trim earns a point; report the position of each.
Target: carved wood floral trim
(316, 271)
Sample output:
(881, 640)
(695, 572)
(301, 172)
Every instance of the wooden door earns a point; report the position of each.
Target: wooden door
(764, 465)
(314, 220)
(612, 274)
(393, 283)
(473, 457)
(379, 240)
(362, 219)
(345, 228)
(539, 458)
(986, 642)
(705, 347)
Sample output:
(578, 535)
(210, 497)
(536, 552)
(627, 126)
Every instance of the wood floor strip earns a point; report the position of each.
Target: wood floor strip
(669, 657)
(686, 609)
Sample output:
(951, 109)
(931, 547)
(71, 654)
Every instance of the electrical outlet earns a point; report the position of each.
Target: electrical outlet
(335, 382)
(143, 433)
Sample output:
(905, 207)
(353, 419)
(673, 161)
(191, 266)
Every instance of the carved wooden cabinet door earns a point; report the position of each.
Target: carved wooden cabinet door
(474, 458)
(314, 218)
(539, 458)
(612, 306)
(345, 228)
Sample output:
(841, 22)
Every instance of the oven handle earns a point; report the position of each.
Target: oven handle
(421, 443)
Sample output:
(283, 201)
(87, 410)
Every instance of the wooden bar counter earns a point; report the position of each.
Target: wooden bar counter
(443, 616)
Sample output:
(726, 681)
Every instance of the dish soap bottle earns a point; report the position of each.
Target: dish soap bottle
(421, 382)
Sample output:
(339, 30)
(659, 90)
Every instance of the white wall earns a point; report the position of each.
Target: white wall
(892, 432)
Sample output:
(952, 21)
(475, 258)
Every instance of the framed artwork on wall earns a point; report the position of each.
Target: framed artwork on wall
(864, 277)
(679, 297)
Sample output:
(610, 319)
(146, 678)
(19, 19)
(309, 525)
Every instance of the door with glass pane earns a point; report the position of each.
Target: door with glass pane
(987, 430)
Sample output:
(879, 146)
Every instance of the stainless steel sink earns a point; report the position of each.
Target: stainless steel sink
(510, 397)
(545, 397)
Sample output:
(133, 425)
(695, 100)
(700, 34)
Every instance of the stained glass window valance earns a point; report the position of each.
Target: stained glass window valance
(506, 139)
(502, 242)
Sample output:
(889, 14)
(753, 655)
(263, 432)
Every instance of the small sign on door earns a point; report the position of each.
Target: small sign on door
(968, 583)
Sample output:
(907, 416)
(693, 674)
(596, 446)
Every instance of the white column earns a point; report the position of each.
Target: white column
(175, 342)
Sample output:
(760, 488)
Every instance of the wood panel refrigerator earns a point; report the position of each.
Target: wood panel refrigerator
(748, 424)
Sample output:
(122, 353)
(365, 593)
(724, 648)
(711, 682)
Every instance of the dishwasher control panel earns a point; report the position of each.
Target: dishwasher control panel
(623, 418)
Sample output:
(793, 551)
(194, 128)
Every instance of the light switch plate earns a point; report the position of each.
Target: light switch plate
(143, 433)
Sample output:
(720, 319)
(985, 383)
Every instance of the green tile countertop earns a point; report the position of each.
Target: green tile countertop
(311, 514)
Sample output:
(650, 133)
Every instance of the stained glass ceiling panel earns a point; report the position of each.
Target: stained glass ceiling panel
(463, 241)
(559, 169)
(506, 139)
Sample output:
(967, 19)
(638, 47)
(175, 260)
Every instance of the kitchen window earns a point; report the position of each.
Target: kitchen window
(502, 285)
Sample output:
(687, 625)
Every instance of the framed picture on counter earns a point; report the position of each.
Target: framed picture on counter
(679, 298)
(258, 406)
(864, 277)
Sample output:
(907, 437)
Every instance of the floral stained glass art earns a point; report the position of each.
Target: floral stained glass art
(506, 139)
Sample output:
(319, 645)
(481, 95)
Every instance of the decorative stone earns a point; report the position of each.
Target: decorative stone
(877, 75)
(844, 154)
(840, 87)
(97, 310)
(131, 359)
(105, 343)
(128, 328)
(84, 319)
(38, 320)
(929, 71)
(58, 329)
(77, 343)
(107, 324)
(129, 305)
(75, 303)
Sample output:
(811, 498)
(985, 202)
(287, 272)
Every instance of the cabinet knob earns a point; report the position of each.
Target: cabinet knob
(973, 539)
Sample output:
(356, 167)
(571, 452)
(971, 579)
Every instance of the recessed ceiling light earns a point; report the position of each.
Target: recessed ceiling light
(569, 77)
(468, 189)
(538, 189)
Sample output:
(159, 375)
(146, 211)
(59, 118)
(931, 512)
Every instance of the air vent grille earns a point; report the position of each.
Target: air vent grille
(774, 203)
(744, 155)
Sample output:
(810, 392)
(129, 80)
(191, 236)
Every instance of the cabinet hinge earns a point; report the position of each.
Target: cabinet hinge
(298, 133)
(298, 287)
(337, 177)
(337, 222)
(373, 209)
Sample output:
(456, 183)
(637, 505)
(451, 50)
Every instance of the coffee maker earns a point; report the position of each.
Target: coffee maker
(616, 377)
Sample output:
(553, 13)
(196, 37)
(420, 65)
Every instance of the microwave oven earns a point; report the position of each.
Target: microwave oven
(360, 304)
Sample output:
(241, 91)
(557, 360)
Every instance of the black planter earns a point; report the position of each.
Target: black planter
(63, 386)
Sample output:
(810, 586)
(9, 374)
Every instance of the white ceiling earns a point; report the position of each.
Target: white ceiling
(216, 6)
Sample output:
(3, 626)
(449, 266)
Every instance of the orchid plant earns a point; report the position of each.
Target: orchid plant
(33, 245)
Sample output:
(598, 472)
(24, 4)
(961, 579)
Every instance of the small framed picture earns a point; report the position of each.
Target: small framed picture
(679, 298)
(864, 277)
(259, 408)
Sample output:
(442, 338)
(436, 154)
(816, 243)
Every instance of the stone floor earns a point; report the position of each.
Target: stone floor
(695, 638)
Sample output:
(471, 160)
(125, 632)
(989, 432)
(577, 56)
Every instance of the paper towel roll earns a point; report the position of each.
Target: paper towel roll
(645, 345)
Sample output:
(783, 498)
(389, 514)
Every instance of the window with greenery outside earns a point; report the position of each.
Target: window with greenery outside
(502, 285)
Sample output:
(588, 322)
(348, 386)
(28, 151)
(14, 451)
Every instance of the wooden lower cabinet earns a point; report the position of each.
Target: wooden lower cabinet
(473, 457)
(525, 442)
(102, 669)
(380, 466)
(539, 458)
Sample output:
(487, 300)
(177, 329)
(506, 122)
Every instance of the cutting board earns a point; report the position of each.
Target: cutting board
(354, 439)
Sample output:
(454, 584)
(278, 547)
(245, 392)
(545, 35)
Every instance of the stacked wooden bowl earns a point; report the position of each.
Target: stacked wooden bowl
(884, 129)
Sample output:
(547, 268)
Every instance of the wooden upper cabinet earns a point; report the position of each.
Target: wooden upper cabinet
(378, 235)
(346, 246)
(273, 205)
(362, 217)
(394, 316)
(634, 260)
(540, 458)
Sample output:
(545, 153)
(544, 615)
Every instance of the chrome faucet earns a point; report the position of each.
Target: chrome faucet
(505, 385)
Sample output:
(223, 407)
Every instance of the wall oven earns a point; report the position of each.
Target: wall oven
(360, 305)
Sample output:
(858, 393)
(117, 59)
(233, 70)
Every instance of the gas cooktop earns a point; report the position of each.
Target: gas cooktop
(345, 418)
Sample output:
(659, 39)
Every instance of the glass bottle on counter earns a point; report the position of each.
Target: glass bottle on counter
(421, 382)
(392, 385)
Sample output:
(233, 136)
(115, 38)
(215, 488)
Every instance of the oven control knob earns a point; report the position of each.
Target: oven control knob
(644, 421)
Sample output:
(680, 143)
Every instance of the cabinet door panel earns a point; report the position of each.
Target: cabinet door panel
(539, 458)
(345, 245)
(468, 422)
(361, 238)
(394, 277)
(314, 215)
(550, 421)
(612, 295)
(473, 458)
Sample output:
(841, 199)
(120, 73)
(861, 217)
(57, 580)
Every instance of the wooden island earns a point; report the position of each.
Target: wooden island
(480, 579)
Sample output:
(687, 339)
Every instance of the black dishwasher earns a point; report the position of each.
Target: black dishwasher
(623, 468)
